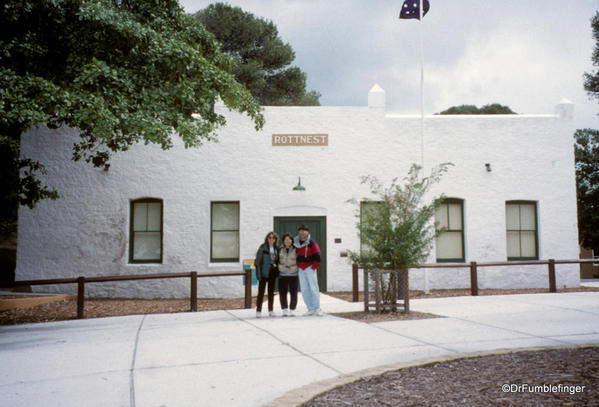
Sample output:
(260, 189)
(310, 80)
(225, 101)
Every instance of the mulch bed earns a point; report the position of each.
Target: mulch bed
(415, 294)
(478, 382)
(370, 317)
(110, 307)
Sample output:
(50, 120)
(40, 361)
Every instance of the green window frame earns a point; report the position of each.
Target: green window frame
(449, 217)
(224, 231)
(146, 231)
(522, 238)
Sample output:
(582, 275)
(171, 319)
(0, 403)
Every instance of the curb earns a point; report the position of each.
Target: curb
(305, 393)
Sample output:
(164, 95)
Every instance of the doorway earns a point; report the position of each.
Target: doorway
(318, 233)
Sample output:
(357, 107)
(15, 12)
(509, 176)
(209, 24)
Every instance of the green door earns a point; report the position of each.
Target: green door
(318, 233)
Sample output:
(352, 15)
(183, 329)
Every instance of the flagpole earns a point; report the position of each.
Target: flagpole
(421, 11)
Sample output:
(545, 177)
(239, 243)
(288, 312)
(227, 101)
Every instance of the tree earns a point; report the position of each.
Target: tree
(120, 71)
(586, 151)
(494, 108)
(396, 231)
(262, 58)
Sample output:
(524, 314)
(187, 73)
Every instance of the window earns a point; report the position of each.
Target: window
(224, 233)
(145, 241)
(366, 207)
(521, 230)
(450, 243)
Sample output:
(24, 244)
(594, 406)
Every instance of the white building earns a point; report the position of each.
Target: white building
(512, 188)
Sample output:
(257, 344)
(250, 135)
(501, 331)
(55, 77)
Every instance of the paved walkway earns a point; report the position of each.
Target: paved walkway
(230, 358)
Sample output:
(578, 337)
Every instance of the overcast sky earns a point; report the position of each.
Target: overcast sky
(527, 54)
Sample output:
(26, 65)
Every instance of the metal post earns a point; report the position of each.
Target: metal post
(194, 291)
(355, 290)
(80, 298)
(248, 287)
(473, 278)
(552, 285)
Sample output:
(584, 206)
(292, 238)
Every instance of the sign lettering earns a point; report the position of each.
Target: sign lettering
(300, 140)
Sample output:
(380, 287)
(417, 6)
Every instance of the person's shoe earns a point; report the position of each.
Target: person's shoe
(309, 313)
(271, 314)
(258, 314)
(292, 313)
(285, 312)
(318, 313)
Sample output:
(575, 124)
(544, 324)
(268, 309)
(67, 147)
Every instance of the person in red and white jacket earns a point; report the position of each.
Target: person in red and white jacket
(308, 262)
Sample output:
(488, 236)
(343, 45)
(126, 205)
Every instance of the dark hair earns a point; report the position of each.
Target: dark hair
(276, 238)
(283, 239)
(303, 227)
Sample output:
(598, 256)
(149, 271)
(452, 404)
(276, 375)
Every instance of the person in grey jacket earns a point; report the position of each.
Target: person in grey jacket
(288, 280)
(267, 259)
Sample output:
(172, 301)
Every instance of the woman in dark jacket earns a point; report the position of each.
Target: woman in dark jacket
(267, 260)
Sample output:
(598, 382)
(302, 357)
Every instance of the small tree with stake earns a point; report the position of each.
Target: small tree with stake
(395, 229)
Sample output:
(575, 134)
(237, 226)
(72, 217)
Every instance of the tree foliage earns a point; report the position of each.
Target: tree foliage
(397, 232)
(494, 108)
(586, 150)
(120, 71)
(262, 58)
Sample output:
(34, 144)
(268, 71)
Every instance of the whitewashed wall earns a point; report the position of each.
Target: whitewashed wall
(86, 231)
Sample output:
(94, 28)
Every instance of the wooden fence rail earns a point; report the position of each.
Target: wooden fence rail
(192, 275)
(474, 271)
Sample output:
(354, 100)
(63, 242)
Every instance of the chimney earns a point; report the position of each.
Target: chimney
(376, 98)
(565, 109)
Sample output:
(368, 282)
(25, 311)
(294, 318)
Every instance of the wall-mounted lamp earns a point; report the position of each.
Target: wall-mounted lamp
(299, 186)
(488, 167)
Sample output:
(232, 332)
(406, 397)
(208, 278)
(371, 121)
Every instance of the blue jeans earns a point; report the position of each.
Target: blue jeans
(309, 286)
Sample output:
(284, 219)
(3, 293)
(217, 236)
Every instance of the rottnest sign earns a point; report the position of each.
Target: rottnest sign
(300, 139)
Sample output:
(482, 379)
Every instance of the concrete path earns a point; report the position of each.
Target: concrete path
(230, 358)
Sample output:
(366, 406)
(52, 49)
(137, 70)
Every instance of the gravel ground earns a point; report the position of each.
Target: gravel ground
(479, 381)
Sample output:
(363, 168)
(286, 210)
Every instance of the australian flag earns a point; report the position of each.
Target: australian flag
(411, 9)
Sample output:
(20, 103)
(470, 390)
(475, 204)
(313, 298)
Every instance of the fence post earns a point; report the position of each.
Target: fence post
(552, 286)
(473, 278)
(194, 291)
(377, 290)
(354, 272)
(80, 297)
(248, 287)
(366, 289)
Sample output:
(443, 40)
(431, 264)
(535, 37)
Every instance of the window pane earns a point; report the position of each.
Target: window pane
(441, 216)
(528, 244)
(527, 217)
(146, 246)
(449, 245)
(513, 244)
(225, 216)
(512, 217)
(455, 216)
(140, 211)
(225, 245)
(154, 221)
